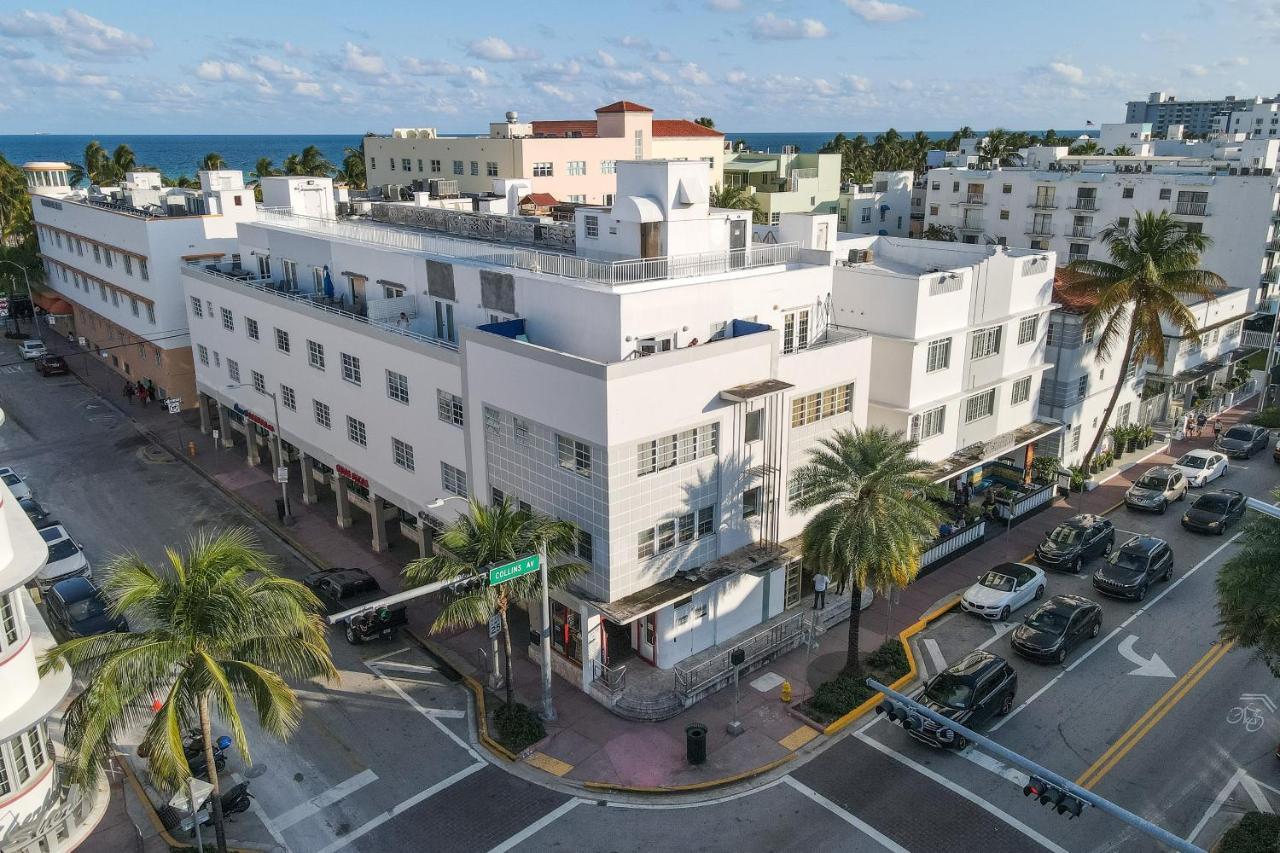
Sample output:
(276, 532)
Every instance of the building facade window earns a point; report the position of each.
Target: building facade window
(492, 421)
(452, 480)
(449, 408)
(820, 405)
(203, 352)
(577, 167)
(753, 428)
(1082, 387)
(288, 399)
(259, 383)
(315, 355)
(228, 321)
(351, 368)
(459, 167)
(282, 341)
(938, 356)
(608, 167)
(752, 502)
(233, 369)
(445, 330)
(591, 227)
(1027, 330)
(980, 406)
(574, 455)
(677, 448)
(795, 330)
(251, 328)
(491, 169)
(1021, 390)
(398, 387)
(520, 430)
(543, 170)
(356, 431)
(986, 343)
(197, 308)
(321, 411)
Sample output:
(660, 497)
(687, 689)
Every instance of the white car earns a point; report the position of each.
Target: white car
(66, 557)
(16, 484)
(1003, 590)
(1202, 466)
(32, 349)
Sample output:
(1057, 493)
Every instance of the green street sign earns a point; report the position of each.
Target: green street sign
(513, 570)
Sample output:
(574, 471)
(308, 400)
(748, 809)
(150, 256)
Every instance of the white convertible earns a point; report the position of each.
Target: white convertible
(1003, 590)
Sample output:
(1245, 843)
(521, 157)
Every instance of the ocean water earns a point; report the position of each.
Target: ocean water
(177, 154)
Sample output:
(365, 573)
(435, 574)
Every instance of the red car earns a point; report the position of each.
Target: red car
(52, 365)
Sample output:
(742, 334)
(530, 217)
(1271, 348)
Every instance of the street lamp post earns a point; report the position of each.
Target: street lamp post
(30, 297)
(284, 483)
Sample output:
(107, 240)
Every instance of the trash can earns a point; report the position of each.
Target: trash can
(280, 509)
(695, 743)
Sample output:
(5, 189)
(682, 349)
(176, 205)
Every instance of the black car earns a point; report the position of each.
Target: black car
(1214, 512)
(342, 589)
(1134, 567)
(1057, 627)
(1075, 540)
(38, 514)
(1242, 441)
(971, 691)
(51, 365)
(78, 608)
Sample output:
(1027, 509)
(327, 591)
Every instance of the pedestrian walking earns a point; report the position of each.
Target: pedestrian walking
(151, 391)
(820, 591)
(142, 392)
(128, 392)
(402, 322)
(1217, 428)
(966, 489)
(1190, 429)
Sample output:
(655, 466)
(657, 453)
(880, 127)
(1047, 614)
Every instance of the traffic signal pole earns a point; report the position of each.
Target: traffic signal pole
(1064, 785)
(457, 583)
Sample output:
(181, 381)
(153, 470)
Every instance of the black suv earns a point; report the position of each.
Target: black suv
(1057, 627)
(971, 691)
(1214, 511)
(1075, 540)
(1134, 567)
(1242, 441)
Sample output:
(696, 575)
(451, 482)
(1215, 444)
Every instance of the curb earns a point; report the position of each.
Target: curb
(134, 782)
(693, 786)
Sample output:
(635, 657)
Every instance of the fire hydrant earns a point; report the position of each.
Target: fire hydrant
(191, 448)
(786, 691)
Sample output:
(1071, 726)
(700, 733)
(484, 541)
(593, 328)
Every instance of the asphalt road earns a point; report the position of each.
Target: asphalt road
(385, 759)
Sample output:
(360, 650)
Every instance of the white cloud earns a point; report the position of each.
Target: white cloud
(856, 82)
(605, 60)
(903, 85)
(770, 26)
(725, 5)
(554, 91)
(630, 78)
(736, 77)
(659, 75)
(633, 42)
(496, 49)
(663, 55)
(360, 61)
(1232, 62)
(273, 67)
(1195, 70)
(823, 87)
(695, 75)
(308, 89)
(475, 74)
(216, 70)
(882, 12)
(429, 67)
(75, 34)
(1068, 72)
(570, 69)
(59, 74)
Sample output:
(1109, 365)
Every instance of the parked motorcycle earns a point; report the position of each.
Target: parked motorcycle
(234, 801)
(371, 625)
(193, 748)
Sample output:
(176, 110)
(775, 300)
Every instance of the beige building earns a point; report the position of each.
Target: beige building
(788, 182)
(572, 160)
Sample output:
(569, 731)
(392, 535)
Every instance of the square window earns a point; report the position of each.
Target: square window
(520, 428)
(259, 383)
(491, 169)
(228, 321)
(282, 341)
(398, 387)
(1004, 214)
(322, 413)
(933, 422)
(938, 355)
(1165, 194)
(452, 480)
(402, 455)
(251, 328)
(1126, 192)
(197, 307)
(1021, 390)
(574, 455)
(754, 425)
(449, 408)
(356, 431)
(986, 343)
(496, 496)
(233, 369)
(351, 368)
(315, 355)
(751, 502)
(435, 166)
(980, 406)
(288, 399)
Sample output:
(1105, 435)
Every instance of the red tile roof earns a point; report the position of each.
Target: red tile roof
(540, 199)
(572, 127)
(624, 107)
(681, 127)
(1073, 303)
(662, 127)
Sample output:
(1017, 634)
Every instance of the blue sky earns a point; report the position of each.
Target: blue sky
(761, 65)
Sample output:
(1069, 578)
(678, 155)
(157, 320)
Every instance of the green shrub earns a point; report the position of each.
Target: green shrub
(1044, 469)
(1268, 417)
(1255, 833)
(517, 726)
(840, 695)
(889, 659)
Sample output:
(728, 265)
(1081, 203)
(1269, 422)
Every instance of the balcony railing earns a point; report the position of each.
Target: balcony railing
(1083, 204)
(1044, 204)
(970, 225)
(831, 334)
(758, 649)
(1257, 339)
(974, 199)
(631, 271)
(1191, 208)
(1040, 230)
(945, 546)
(612, 678)
(1072, 258)
(1082, 231)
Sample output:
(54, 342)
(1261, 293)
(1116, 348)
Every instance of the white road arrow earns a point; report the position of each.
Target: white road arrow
(1146, 666)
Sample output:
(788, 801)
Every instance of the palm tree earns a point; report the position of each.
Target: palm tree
(182, 181)
(999, 149)
(1122, 151)
(310, 162)
(1153, 272)
(222, 627)
(264, 168)
(352, 171)
(1051, 138)
(705, 121)
(122, 161)
(945, 233)
(875, 513)
(1086, 148)
(96, 166)
(488, 536)
(738, 197)
(1249, 591)
(212, 162)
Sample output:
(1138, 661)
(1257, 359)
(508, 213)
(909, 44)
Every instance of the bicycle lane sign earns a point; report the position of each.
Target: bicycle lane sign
(1251, 712)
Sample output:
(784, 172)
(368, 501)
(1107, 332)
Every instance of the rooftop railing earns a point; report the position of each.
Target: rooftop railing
(632, 271)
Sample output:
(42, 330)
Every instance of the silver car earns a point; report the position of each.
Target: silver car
(1156, 489)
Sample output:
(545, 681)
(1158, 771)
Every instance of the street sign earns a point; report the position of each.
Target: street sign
(495, 626)
(282, 474)
(174, 404)
(513, 570)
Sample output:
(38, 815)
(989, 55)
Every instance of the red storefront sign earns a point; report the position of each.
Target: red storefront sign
(262, 422)
(358, 479)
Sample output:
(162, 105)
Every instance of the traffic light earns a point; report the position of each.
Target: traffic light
(467, 584)
(1048, 794)
(899, 713)
(1035, 787)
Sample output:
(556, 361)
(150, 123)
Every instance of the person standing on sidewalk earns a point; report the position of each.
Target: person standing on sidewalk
(128, 392)
(820, 582)
(142, 392)
(1217, 428)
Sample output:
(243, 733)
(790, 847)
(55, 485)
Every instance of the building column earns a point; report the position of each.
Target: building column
(206, 422)
(344, 503)
(308, 479)
(277, 459)
(251, 444)
(591, 628)
(224, 421)
(424, 547)
(377, 515)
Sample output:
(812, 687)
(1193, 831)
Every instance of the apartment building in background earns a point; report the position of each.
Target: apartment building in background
(789, 182)
(1257, 121)
(41, 811)
(892, 205)
(569, 160)
(111, 255)
(1162, 110)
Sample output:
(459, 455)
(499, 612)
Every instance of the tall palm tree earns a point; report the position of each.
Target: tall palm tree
(875, 513)
(737, 198)
(1051, 138)
(122, 161)
(264, 168)
(1086, 148)
(310, 162)
(212, 162)
(1153, 272)
(352, 170)
(96, 166)
(223, 628)
(1249, 591)
(488, 536)
(999, 149)
(1122, 151)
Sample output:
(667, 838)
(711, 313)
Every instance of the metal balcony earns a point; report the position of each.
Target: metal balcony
(974, 199)
(1044, 204)
(1039, 230)
(1083, 204)
(1083, 231)
(1191, 208)
(971, 227)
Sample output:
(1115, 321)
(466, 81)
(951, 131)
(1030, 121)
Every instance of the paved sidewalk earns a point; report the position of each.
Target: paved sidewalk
(588, 743)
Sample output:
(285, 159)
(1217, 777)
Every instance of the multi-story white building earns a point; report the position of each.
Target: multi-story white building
(40, 811)
(571, 160)
(1062, 203)
(789, 182)
(892, 205)
(113, 253)
(1260, 120)
(1162, 110)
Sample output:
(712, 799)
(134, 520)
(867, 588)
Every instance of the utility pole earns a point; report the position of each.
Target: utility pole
(31, 300)
(548, 709)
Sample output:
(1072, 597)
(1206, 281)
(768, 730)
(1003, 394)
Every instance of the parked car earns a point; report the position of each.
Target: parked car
(32, 349)
(1243, 440)
(1075, 540)
(66, 557)
(1003, 590)
(77, 606)
(16, 483)
(51, 365)
(1056, 627)
(1156, 489)
(36, 513)
(1275, 453)
(341, 589)
(1133, 567)
(1202, 466)
(971, 691)
(1214, 512)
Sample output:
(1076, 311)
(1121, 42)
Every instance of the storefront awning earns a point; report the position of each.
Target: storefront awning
(983, 452)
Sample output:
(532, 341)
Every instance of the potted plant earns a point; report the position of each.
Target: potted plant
(1077, 478)
(1044, 469)
(1146, 435)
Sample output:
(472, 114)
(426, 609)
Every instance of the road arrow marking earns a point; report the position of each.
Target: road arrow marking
(1266, 700)
(1146, 666)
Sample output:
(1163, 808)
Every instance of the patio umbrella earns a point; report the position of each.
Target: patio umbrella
(328, 283)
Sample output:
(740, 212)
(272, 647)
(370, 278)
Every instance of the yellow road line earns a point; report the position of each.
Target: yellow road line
(1127, 741)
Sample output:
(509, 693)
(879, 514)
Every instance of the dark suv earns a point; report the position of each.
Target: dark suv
(1134, 567)
(971, 691)
(1056, 627)
(1242, 441)
(1075, 540)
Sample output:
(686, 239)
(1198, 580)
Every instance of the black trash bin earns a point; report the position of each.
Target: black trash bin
(280, 509)
(695, 743)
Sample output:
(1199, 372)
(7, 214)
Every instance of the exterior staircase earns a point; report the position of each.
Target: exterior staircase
(648, 709)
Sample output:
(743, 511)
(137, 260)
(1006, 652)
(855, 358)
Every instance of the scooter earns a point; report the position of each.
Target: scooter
(235, 800)
(193, 748)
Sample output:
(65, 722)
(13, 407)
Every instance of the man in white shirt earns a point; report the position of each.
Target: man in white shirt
(820, 582)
